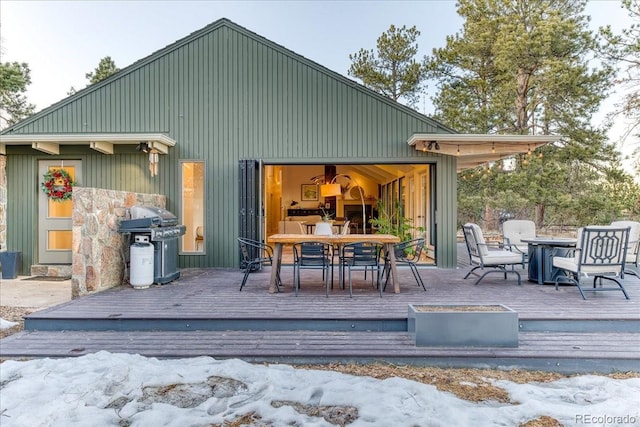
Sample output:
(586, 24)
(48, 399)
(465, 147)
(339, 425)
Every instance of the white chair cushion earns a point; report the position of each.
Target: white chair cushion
(517, 229)
(565, 263)
(501, 257)
(634, 238)
(482, 244)
(570, 265)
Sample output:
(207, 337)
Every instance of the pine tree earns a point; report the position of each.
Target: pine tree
(523, 67)
(393, 71)
(14, 79)
(105, 68)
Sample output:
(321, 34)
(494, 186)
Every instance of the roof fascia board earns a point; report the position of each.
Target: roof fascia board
(462, 138)
(104, 142)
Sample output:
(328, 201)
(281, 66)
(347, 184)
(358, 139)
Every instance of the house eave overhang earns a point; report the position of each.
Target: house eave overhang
(472, 150)
(102, 142)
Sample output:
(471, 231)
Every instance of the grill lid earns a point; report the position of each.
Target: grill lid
(159, 216)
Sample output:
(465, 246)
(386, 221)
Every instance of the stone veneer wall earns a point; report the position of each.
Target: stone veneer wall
(99, 252)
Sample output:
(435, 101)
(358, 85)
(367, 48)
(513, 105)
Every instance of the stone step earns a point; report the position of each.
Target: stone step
(52, 270)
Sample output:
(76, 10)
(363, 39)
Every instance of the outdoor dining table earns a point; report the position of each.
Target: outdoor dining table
(279, 240)
(541, 253)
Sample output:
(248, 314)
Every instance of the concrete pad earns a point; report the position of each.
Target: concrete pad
(38, 294)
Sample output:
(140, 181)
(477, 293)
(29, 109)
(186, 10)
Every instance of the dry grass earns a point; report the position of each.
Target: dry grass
(14, 314)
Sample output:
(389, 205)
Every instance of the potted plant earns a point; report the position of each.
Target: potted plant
(327, 216)
(391, 221)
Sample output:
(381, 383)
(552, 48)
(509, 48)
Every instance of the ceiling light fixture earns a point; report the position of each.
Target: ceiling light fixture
(332, 189)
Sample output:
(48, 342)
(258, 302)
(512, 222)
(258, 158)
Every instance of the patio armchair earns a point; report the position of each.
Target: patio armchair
(407, 253)
(481, 257)
(633, 248)
(362, 256)
(254, 255)
(600, 252)
(313, 256)
(513, 231)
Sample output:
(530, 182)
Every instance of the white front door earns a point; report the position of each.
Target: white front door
(54, 217)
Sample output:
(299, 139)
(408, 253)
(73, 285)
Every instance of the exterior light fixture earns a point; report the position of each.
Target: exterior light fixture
(144, 147)
(458, 152)
(332, 189)
(154, 158)
(493, 147)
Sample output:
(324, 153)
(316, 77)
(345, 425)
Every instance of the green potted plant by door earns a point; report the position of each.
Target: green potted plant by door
(391, 221)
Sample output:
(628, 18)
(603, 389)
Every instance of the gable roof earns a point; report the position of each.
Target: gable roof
(223, 22)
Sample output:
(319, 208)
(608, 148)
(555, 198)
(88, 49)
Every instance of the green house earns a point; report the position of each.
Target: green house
(241, 132)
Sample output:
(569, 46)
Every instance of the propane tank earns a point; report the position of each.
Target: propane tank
(141, 263)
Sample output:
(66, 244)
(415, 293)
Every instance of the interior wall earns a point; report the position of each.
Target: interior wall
(292, 179)
(294, 176)
(273, 197)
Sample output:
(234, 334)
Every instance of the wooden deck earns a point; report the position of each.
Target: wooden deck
(203, 313)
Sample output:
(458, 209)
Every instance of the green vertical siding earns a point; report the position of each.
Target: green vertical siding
(226, 94)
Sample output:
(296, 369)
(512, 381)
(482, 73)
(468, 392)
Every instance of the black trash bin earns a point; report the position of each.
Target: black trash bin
(10, 264)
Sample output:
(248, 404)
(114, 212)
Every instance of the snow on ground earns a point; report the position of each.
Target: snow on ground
(5, 324)
(121, 389)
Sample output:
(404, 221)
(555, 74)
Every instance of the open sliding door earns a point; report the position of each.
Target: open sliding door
(250, 189)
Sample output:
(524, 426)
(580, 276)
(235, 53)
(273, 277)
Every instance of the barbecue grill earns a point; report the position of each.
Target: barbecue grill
(163, 232)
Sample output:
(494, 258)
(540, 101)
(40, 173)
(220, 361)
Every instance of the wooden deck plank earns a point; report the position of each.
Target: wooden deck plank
(214, 294)
(202, 296)
(313, 344)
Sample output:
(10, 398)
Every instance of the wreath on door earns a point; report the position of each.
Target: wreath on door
(57, 185)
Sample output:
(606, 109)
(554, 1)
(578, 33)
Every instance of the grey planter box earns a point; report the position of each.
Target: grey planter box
(463, 325)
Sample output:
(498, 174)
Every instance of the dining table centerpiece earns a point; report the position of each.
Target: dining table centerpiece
(327, 216)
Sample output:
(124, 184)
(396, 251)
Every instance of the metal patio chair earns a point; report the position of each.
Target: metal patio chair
(633, 247)
(254, 255)
(481, 257)
(513, 231)
(600, 253)
(312, 256)
(362, 256)
(407, 253)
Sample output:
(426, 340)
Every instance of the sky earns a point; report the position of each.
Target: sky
(122, 389)
(63, 40)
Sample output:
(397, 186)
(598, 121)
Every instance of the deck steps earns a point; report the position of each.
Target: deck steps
(42, 322)
(204, 314)
(564, 352)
